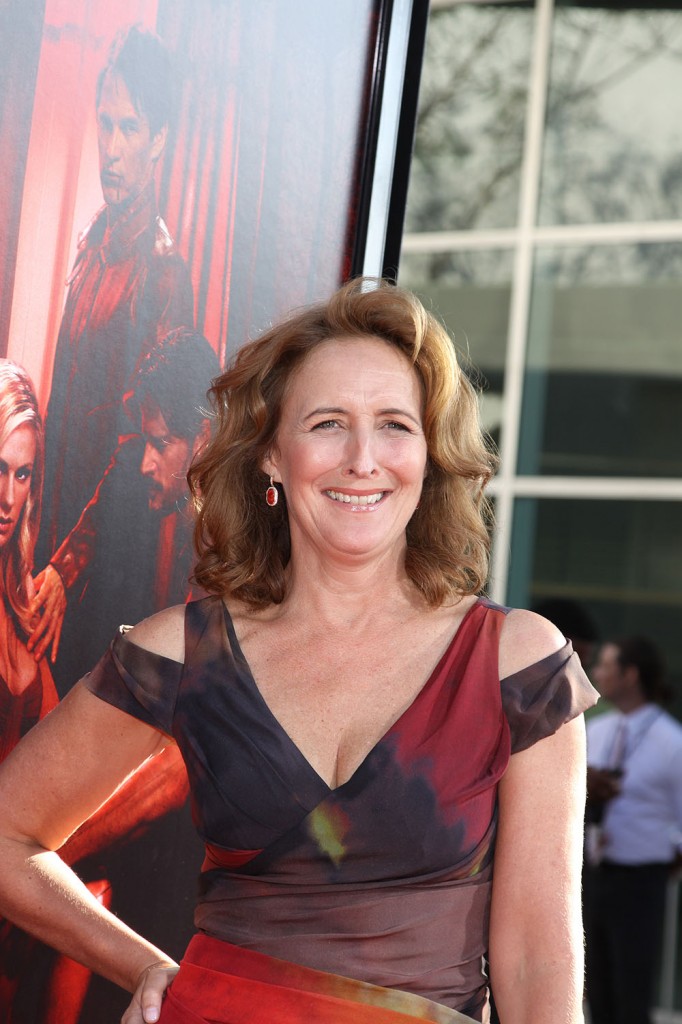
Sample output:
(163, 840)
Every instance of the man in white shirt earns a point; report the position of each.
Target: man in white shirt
(634, 831)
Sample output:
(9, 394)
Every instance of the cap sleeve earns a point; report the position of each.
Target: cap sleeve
(143, 684)
(538, 699)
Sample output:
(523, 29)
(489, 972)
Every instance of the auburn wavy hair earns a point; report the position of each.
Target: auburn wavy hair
(244, 546)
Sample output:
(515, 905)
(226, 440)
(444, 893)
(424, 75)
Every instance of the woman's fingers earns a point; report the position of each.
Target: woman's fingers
(145, 1007)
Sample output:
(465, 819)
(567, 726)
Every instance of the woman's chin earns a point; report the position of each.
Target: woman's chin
(360, 546)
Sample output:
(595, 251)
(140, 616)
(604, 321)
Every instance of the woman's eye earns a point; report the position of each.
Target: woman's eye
(395, 425)
(326, 425)
(24, 473)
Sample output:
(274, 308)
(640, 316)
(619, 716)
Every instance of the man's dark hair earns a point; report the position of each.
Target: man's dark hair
(642, 654)
(144, 64)
(174, 377)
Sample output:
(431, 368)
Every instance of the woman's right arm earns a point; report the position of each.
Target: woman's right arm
(61, 772)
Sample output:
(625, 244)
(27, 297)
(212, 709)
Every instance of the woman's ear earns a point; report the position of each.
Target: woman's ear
(269, 466)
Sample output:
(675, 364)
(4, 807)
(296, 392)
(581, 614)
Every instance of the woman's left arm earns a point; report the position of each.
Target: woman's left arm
(536, 936)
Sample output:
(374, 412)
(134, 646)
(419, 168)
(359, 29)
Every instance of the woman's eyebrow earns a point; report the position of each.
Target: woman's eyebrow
(324, 411)
(333, 410)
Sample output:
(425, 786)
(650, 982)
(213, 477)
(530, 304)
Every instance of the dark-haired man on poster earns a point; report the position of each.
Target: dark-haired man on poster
(137, 526)
(129, 286)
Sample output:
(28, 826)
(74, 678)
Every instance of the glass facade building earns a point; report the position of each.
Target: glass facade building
(544, 227)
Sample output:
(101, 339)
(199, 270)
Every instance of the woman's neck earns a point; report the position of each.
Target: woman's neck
(346, 595)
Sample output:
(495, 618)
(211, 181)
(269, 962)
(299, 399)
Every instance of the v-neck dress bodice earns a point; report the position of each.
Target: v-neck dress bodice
(386, 878)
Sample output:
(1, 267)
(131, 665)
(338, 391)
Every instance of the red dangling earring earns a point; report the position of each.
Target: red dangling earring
(272, 494)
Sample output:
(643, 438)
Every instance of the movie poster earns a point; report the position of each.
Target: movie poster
(174, 175)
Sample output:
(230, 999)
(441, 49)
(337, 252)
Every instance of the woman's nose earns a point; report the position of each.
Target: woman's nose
(361, 454)
(6, 492)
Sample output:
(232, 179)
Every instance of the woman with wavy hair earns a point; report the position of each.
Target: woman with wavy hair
(387, 769)
(27, 690)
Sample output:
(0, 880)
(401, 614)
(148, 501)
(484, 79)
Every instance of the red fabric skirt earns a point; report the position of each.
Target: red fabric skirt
(219, 983)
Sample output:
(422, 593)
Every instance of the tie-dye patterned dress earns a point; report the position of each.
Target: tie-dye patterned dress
(367, 902)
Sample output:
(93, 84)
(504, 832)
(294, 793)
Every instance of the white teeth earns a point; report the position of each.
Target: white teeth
(356, 499)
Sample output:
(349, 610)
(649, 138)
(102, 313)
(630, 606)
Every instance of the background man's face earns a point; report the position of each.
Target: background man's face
(607, 673)
(165, 462)
(127, 150)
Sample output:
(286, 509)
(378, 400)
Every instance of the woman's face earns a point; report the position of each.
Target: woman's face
(350, 449)
(17, 456)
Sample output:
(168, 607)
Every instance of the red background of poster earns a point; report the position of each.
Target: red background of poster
(256, 185)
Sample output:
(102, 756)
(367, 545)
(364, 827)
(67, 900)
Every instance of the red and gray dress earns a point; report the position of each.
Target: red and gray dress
(368, 902)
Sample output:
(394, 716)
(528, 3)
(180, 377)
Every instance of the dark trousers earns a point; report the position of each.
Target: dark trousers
(624, 911)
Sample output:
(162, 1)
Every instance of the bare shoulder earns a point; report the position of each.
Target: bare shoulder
(162, 633)
(526, 638)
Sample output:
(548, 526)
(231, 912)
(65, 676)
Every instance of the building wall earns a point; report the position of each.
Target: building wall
(544, 227)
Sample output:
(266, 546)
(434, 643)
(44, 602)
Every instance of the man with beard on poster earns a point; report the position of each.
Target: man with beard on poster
(130, 554)
(129, 286)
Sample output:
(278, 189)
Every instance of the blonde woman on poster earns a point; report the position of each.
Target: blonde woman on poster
(28, 692)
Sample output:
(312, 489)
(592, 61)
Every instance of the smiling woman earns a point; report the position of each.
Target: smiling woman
(447, 539)
(350, 453)
(377, 753)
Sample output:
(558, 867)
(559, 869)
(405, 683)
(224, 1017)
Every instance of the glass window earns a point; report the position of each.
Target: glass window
(603, 382)
(467, 159)
(620, 560)
(613, 145)
(469, 292)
